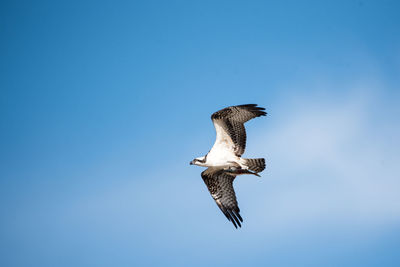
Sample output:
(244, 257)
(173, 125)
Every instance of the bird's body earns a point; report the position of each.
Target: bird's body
(224, 160)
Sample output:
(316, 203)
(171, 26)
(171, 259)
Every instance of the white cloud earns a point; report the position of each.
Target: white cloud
(328, 162)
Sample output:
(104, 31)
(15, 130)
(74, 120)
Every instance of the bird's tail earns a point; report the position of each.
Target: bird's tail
(255, 165)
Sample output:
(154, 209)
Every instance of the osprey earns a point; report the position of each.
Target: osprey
(224, 160)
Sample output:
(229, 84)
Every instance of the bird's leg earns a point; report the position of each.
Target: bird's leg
(237, 169)
(234, 167)
(243, 171)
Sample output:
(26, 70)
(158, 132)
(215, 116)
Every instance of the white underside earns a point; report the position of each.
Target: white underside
(222, 153)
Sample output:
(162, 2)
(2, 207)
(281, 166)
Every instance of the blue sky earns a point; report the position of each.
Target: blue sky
(104, 103)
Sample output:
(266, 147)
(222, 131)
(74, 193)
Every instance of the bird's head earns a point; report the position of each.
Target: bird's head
(200, 161)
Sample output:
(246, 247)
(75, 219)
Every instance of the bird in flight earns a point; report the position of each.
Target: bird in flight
(224, 160)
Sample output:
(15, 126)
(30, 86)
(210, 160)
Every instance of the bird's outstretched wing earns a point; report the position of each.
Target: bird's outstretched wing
(229, 125)
(220, 185)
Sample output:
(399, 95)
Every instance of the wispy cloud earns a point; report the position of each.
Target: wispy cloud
(330, 161)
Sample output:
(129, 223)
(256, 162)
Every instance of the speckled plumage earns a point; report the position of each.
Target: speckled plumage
(220, 185)
(232, 120)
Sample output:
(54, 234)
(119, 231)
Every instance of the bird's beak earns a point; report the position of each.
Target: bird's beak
(191, 163)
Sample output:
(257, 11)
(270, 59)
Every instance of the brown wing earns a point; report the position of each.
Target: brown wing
(220, 185)
(231, 120)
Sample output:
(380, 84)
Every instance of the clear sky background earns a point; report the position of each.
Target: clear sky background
(104, 103)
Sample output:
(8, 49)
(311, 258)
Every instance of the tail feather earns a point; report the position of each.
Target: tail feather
(255, 165)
